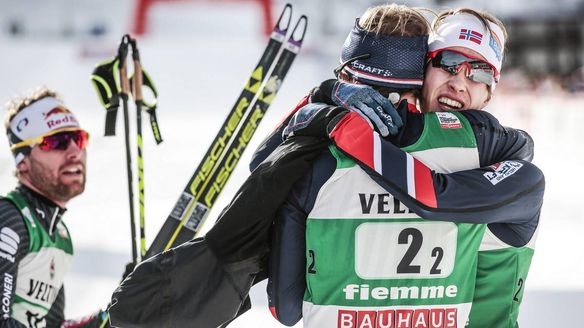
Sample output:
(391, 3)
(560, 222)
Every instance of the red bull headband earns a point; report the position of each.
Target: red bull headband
(467, 31)
(389, 61)
(41, 118)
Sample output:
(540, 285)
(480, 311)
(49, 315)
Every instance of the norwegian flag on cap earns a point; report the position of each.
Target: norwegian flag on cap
(467, 31)
(474, 36)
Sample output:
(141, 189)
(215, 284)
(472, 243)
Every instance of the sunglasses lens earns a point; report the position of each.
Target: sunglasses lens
(452, 62)
(481, 72)
(480, 77)
(61, 141)
(83, 140)
(54, 142)
(451, 58)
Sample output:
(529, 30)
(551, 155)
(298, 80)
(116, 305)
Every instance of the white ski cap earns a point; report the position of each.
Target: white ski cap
(466, 30)
(43, 117)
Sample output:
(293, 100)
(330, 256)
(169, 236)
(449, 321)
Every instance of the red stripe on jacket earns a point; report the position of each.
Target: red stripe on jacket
(354, 135)
(424, 184)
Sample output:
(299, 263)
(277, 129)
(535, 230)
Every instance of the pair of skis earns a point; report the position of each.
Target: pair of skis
(199, 195)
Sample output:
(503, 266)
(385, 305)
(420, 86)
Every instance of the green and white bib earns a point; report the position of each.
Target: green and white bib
(41, 272)
(502, 271)
(373, 263)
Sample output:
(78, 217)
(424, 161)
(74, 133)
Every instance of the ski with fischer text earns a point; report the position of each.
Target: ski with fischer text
(210, 177)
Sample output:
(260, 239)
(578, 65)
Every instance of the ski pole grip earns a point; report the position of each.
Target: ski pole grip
(138, 78)
(122, 54)
(125, 83)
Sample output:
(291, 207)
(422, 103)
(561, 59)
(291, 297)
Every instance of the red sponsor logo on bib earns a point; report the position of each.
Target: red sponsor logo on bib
(402, 318)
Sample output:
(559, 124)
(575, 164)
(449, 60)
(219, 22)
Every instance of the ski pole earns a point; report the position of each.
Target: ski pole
(138, 98)
(140, 80)
(124, 94)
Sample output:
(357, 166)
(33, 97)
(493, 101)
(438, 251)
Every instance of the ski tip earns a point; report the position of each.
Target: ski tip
(285, 16)
(301, 23)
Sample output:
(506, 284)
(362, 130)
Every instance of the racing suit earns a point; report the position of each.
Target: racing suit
(35, 256)
(505, 248)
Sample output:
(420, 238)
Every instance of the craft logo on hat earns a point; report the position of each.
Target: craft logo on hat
(474, 36)
(371, 59)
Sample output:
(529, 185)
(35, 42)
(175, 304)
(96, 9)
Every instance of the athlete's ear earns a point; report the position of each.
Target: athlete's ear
(23, 166)
(486, 102)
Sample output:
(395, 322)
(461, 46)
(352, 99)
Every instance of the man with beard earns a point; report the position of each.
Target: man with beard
(48, 146)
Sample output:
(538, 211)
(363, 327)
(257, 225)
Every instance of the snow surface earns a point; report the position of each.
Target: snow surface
(198, 76)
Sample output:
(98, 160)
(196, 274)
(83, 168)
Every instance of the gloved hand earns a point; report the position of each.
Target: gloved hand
(366, 101)
(130, 266)
(98, 319)
(312, 120)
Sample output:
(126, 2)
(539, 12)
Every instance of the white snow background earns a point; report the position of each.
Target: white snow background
(199, 56)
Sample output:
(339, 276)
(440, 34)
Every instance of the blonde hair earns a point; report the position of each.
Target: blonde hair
(15, 105)
(393, 19)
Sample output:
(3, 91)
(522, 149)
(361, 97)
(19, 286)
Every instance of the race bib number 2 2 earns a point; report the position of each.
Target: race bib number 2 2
(390, 250)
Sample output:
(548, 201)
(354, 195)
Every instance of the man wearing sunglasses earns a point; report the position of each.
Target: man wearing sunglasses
(451, 65)
(49, 149)
(231, 257)
(462, 70)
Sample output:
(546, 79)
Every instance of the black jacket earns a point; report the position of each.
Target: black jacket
(205, 282)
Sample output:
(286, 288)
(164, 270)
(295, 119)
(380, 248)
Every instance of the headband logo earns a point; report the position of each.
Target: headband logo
(22, 124)
(52, 123)
(474, 36)
(368, 69)
(56, 110)
(495, 44)
(69, 118)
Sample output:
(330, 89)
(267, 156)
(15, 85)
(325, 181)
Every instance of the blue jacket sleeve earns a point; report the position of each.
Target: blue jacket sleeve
(497, 143)
(274, 139)
(287, 263)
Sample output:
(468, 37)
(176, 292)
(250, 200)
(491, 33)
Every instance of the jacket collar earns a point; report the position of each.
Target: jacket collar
(46, 211)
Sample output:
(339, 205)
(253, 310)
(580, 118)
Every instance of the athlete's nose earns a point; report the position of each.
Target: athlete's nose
(457, 82)
(73, 150)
